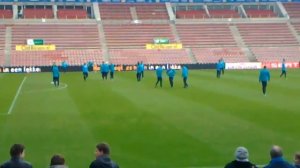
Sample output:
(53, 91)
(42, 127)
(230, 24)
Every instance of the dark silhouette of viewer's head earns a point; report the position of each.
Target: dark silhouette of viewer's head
(17, 150)
(104, 148)
(276, 151)
(297, 158)
(57, 160)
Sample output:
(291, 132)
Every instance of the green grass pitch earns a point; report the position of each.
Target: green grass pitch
(150, 127)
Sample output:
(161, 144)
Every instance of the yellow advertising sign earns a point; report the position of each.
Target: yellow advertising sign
(50, 47)
(164, 46)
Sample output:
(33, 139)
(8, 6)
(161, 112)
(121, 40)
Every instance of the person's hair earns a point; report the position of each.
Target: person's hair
(104, 147)
(276, 151)
(265, 67)
(297, 157)
(16, 150)
(57, 160)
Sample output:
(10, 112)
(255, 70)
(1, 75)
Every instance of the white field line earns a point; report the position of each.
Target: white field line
(16, 96)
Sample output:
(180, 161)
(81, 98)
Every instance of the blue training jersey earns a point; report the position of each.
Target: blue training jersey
(104, 68)
(64, 64)
(219, 66)
(171, 73)
(223, 64)
(185, 72)
(283, 67)
(112, 68)
(55, 71)
(85, 69)
(139, 68)
(264, 75)
(159, 72)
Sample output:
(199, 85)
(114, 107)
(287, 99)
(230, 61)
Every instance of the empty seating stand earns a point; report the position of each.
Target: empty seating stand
(267, 34)
(2, 44)
(212, 55)
(205, 35)
(191, 14)
(273, 54)
(151, 11)
(6, 14)
(63, 36)
(297, 27)
(224, 13)
(135, 35)
(132, 56)
(46, 58)
(72, 14)
(115, 11)
(256, 13)
(293, 9)
(38, 13)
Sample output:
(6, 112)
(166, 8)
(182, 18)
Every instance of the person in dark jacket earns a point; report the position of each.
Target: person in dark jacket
(297, 160)
(17, 153)
(102, 157)
(241, 159)
(277, 160)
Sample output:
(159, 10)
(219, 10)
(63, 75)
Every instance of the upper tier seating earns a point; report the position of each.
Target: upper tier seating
(253, 13)
(38, 13)
(63, 36)
(6, 14)
(151, 11)
(72, 14)
(293, 9)
(224, 13)
(135, 35)
(205, 35)
(191, 14)
(115, 11)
